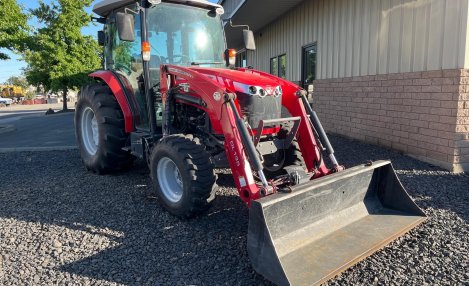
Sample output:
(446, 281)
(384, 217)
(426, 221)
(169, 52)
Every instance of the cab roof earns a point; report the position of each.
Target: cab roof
(104, 7)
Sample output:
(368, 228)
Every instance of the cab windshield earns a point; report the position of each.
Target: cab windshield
(184, 36)
(179, 34)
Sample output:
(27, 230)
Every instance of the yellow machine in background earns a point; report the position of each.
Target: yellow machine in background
(12, 91)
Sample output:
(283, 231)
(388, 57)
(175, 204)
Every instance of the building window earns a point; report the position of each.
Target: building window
(282, 66)
(274, 66)
(278, 66)
(241, 59)
(309, 65)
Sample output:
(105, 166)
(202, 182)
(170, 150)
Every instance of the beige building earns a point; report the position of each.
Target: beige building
(389, 72)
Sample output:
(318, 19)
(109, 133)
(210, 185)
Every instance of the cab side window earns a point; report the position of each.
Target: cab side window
(126, 58)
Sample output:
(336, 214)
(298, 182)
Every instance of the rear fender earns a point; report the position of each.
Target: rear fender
(111, 80)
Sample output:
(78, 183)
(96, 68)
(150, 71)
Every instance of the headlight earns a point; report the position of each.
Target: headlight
(220, 11)
(278, 91)
(253, 90)
(262, 93)
(154, 2)
(257, 90)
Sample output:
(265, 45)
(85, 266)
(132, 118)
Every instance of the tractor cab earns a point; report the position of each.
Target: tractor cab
(189, 34)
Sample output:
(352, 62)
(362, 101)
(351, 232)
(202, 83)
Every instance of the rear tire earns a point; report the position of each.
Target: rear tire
(99, 129)
(183, 176)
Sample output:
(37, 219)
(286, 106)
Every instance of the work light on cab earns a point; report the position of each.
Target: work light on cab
(146, 51)
(230, 57)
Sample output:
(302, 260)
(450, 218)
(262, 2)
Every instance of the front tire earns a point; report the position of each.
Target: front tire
(183, 176)
(99, 129)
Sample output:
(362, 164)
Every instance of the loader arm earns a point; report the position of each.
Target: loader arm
(224, 117)
(221, 116)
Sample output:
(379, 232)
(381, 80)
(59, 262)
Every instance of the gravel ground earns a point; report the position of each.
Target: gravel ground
(62, 225)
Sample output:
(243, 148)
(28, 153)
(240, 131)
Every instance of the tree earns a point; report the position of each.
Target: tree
(59, 56)
(18, 81)
(13, 27)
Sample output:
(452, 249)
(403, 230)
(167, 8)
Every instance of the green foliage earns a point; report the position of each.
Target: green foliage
(29, 95)
(18, 81)
(13, 27)
(122, 53)
(59, 56)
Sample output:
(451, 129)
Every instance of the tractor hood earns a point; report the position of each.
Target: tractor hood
(242, 82)
(259, 95)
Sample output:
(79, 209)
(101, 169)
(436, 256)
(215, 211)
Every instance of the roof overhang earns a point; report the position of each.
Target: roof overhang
(104, 7)
(256, 14)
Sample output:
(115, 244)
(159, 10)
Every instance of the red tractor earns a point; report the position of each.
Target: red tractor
(169, 94)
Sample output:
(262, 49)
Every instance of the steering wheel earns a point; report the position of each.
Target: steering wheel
(124, 68)
(182, 58)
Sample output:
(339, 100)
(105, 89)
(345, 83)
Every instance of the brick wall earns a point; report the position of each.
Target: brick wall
(423, 114)
(461, 152)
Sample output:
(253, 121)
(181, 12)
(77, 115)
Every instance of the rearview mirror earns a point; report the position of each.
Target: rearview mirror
(125, 26)
(101, 38)
(249, 42)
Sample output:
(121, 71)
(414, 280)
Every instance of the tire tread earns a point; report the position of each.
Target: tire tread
(111, 157)
(201, 172)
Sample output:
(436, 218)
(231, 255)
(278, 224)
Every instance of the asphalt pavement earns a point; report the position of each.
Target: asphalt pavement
(33, 130)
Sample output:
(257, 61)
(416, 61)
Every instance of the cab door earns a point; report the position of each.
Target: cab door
(125, 59)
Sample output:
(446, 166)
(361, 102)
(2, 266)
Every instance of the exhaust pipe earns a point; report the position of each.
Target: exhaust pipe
(327, 225)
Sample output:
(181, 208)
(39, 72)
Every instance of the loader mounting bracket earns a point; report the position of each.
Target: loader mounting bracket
(290, 136)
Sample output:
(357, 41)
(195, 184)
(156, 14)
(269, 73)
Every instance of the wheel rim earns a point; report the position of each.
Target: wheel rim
(89, 131)
(169, 179)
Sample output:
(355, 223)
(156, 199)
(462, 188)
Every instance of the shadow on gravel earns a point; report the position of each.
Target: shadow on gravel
(153, 247)
(225, 180)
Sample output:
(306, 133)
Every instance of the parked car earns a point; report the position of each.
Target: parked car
(6, 101)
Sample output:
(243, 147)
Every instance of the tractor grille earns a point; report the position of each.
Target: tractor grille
(255, 108)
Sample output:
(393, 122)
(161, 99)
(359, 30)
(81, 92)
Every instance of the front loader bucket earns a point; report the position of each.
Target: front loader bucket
(326, 225)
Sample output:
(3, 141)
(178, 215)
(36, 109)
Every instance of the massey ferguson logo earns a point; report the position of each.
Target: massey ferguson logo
(173, 70)
(269, 90)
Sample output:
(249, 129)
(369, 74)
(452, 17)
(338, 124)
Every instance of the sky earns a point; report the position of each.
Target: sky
(14, 66)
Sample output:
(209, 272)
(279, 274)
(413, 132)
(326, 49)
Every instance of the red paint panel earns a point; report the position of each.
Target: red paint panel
(308, 145)
(110, 79)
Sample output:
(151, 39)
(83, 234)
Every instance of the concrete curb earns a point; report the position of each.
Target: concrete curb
(60, 114)
(37, 149)
(6, 128)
